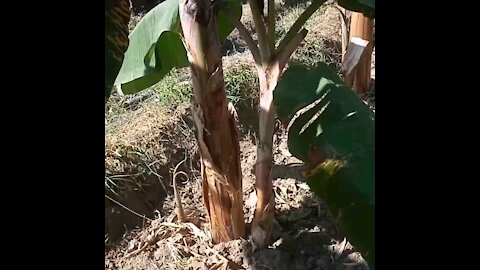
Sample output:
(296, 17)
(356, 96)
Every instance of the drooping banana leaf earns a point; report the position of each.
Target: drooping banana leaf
(333, 131)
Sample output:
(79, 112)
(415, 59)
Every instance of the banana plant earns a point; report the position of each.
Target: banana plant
(177, 34)
(215, 121)
(186, 33)
(270, 60)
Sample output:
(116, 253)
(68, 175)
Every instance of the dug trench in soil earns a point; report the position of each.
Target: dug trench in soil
(119, 219)
(141, 204)
(139, 153)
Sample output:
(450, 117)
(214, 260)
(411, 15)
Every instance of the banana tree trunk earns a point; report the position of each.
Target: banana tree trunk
(262, 226)
(117, 16)
(215, 121)
(361, 27)
(268, 73)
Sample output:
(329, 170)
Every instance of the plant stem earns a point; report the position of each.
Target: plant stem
(269, 72)
(261, 31)
(299, 23)
(345, 35)
(284, 55)
(262, 225)
(245, 35)
(271, 25)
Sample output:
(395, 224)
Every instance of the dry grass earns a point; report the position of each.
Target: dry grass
(323, 41)
(144, 144)
(241, 78)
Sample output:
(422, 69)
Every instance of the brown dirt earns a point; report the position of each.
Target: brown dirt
(305, 232)
(306, 237)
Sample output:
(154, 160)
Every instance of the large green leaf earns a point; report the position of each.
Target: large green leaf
(225, 27)
(367, 7)
(334, 134)
(155, 48)
(117, 16)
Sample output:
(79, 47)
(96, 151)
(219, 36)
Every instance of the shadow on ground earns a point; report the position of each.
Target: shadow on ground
(305, 236)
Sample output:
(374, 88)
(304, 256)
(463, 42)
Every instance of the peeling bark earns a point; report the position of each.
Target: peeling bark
(360, 79)
(262, 226)
(216, 126)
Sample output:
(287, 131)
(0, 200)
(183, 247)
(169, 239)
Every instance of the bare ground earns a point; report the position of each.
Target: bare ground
(305, 233)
